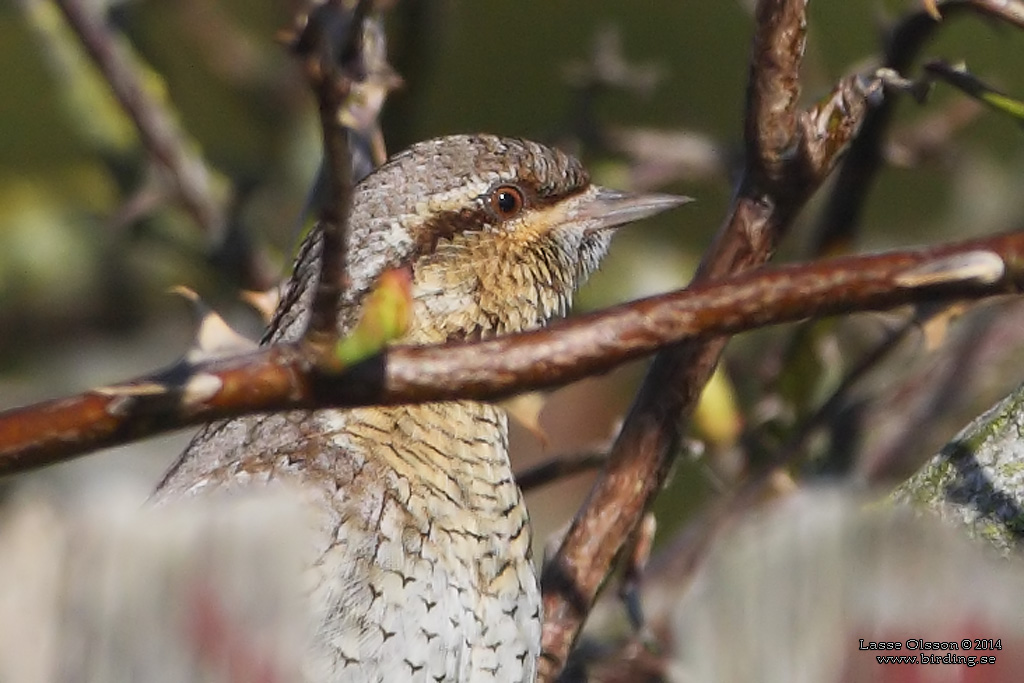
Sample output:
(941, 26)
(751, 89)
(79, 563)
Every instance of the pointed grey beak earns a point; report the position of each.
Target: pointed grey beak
(606, 208)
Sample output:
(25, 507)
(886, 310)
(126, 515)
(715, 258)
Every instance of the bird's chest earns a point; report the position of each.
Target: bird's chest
(425, 570)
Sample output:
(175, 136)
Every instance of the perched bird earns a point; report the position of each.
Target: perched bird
(422, 568)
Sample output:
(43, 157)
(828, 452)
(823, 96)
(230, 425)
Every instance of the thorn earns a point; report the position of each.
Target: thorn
(214, 338)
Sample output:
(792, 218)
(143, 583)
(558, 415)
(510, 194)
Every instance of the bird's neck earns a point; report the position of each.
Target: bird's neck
(478, 286)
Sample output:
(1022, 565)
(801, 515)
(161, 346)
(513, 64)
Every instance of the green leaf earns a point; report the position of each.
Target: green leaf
(386, 316)
(960, 78)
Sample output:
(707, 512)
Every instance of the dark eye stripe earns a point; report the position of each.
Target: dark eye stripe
(445, 225)
(489, 208)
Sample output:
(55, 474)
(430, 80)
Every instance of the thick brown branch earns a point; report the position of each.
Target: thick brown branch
(773, 88)
(284, 377)
(779, 176)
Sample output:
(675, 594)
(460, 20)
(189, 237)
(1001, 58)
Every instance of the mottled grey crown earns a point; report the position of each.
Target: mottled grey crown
(460, 159)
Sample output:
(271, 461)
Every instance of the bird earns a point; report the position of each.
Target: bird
(421, 568)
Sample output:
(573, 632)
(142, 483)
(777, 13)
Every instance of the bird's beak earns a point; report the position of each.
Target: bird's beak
(603, 208)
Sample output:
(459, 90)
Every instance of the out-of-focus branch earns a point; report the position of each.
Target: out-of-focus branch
(659, 157)
(840, 219)
(931, 137)
(937, 394)
(287, 376)
(559, 467)
(159, 134)
(796, 443)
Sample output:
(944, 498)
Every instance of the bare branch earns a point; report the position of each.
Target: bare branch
(559, 467)
(283, 377)
(330, 46)
(159, 134)
(773, 88)
(781, 172)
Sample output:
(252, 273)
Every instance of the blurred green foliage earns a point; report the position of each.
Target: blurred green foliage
(69, 158)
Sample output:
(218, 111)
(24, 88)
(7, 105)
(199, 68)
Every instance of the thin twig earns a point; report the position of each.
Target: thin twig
(330, 46)
(559, 467)
(942, 390)
(827, 411)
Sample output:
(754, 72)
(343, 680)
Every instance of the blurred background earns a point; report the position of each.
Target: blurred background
(91, 241)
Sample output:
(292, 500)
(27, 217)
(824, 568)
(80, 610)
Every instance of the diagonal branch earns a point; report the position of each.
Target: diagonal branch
(773, 87)
(787, 156)
(160, 135)
(779, 176)
(282, 377)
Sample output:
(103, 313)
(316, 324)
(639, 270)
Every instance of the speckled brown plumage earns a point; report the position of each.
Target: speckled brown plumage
(422, 568)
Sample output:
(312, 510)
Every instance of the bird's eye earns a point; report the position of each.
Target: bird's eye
(506, 201)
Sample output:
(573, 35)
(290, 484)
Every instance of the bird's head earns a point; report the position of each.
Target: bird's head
(498, 232)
